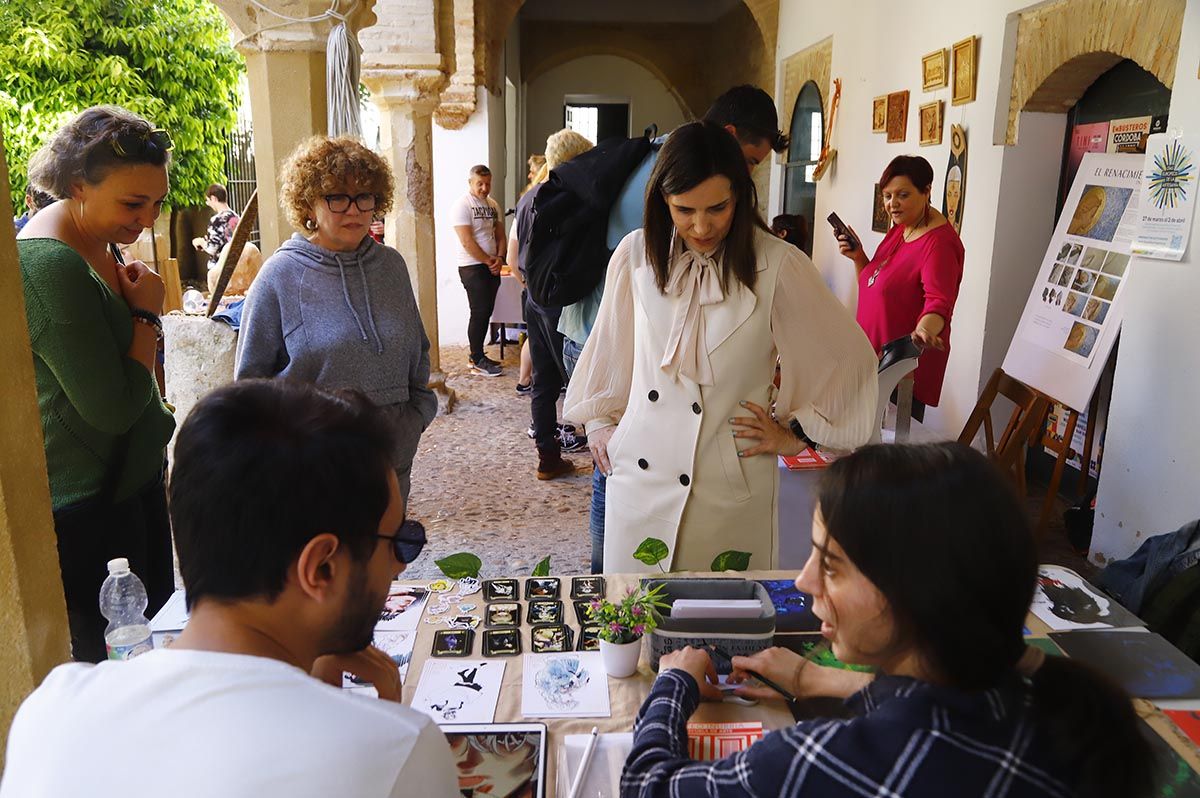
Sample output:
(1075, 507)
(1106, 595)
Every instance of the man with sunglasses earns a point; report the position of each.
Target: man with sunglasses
(290, 529)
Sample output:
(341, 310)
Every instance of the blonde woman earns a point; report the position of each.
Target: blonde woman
(333, 307)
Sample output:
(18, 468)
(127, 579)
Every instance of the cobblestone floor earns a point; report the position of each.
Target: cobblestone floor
(474, 485)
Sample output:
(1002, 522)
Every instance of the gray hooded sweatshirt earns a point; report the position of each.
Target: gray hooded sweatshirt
(338, 320)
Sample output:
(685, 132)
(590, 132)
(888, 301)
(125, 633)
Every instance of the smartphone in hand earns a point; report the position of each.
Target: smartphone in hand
(840, 229)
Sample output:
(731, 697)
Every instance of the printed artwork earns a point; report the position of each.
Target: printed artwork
(1175, 777)
(933, 70)
(1188, 720)
(459, 691)
(964, 60)
(930, 117)
(397, 645)
(956, 178)
(572, 684)
(1099, 212)
(879, 114)
(881, 221)
(496, 764)
(793, 609)
(402, 609)
(1063, 600)
(897, 116)
(1142, 662)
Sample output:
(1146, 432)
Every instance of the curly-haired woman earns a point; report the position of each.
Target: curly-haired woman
(332, 306)
(93, 323)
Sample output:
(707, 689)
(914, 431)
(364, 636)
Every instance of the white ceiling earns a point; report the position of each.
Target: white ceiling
(698, 11)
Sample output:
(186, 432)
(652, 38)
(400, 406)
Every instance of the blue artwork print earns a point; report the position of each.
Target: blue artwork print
(793, 609)
(560, 680)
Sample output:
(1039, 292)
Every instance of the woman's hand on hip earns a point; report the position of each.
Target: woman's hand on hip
(598, 444)
(772, 437)
(141, 287)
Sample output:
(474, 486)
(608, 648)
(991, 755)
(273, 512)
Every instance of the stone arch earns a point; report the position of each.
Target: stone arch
(1058, 49)
(566, 56)
(812, 63)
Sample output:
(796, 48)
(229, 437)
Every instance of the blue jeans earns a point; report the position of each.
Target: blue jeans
(570, 356)
(596, 521)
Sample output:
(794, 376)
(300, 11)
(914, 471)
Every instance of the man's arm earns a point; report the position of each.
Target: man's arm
(467, 238)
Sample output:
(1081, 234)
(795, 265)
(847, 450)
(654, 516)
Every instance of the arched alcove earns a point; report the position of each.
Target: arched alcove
(651, 99)
(1056, 50)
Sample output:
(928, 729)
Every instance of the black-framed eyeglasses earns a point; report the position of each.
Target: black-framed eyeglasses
(408, 541)
(340, 203)
(127, 145)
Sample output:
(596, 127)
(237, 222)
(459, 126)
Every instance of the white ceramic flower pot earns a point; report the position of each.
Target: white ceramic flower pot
(621, 659)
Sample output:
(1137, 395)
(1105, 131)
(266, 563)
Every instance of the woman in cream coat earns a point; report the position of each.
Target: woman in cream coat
(675, 385)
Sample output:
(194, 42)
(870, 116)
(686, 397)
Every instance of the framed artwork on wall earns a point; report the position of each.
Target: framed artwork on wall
(880, 221)
(930, 117)
(964, 58)
(934, 71)
(879, 114)
(897, 115)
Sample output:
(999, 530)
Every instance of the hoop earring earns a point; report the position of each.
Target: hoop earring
(309, 224)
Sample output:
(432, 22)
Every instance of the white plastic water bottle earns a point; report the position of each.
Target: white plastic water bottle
(123, 601)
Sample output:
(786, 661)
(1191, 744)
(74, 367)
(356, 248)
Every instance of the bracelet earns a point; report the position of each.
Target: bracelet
(150, 320)
(798, 431)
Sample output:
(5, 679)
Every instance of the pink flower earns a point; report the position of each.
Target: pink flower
(615, 628)
(637, 609)
(596, 604)
(639, 630)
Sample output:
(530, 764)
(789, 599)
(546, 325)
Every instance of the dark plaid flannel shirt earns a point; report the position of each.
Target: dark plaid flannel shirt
(908, 739)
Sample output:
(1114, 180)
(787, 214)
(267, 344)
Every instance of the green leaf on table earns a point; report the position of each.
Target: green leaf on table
(456, 566)
(651, 551)
(542, 568)
(731, 561)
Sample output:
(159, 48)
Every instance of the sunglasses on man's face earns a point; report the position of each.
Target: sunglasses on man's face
(408, 541)
(128, 145)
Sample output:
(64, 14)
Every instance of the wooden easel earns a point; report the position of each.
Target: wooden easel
(233, 253)
(1063, 452)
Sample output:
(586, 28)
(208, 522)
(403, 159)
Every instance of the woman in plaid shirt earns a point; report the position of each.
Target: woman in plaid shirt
(923, 566)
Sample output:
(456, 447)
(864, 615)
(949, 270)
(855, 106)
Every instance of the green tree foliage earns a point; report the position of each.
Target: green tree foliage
(169, 60)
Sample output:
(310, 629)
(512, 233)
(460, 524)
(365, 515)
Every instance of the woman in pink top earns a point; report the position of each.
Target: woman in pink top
(910, 285)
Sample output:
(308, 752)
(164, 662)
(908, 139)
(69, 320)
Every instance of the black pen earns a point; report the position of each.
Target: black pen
(723, 653)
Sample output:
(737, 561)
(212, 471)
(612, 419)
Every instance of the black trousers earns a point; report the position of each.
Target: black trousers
(94, 531)
(481, 287)
(549, 376)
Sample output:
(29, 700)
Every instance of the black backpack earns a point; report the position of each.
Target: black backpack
(567, 253)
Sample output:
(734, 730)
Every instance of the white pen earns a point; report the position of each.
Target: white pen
(581, 771)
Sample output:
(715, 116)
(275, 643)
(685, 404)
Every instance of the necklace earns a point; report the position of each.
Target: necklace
(904, 239)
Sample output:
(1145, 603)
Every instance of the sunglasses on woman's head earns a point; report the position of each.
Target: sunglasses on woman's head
(408, 541)
(127, 145)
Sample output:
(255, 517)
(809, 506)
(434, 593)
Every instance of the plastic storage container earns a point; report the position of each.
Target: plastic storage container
(735, 636)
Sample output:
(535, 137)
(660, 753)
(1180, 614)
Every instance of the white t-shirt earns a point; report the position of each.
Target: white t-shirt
(481, 214)
(201, 724)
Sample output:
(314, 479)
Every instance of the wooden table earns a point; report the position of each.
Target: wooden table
(625, 695)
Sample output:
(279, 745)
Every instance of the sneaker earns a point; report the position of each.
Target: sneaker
(486, 367)
(572, 442)
(524, 389)
(529, 432)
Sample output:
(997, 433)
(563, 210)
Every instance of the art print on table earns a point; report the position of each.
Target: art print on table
(1143, 663)
(501, 643)
(397, 645)
(1188, 721)
(793, 609)
(542, 587)
(1063, 600)
(462, 691)
(565, 685)
(589, 638)
(503, 614)
(544, 639)
(453, 642)
(587, 587)
(501, 590)
(544, 611)
(402, 609)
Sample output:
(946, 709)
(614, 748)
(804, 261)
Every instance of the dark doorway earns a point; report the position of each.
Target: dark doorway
(799, 185)
(597, 121)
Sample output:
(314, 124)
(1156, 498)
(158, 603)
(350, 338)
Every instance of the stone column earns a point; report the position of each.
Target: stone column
(33, 614)
(406, 100)
(287, 105)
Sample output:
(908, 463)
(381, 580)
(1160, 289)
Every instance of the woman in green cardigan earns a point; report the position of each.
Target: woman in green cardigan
(94, 326)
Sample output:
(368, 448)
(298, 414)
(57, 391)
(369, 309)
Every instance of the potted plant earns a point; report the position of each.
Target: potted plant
(623, 624)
